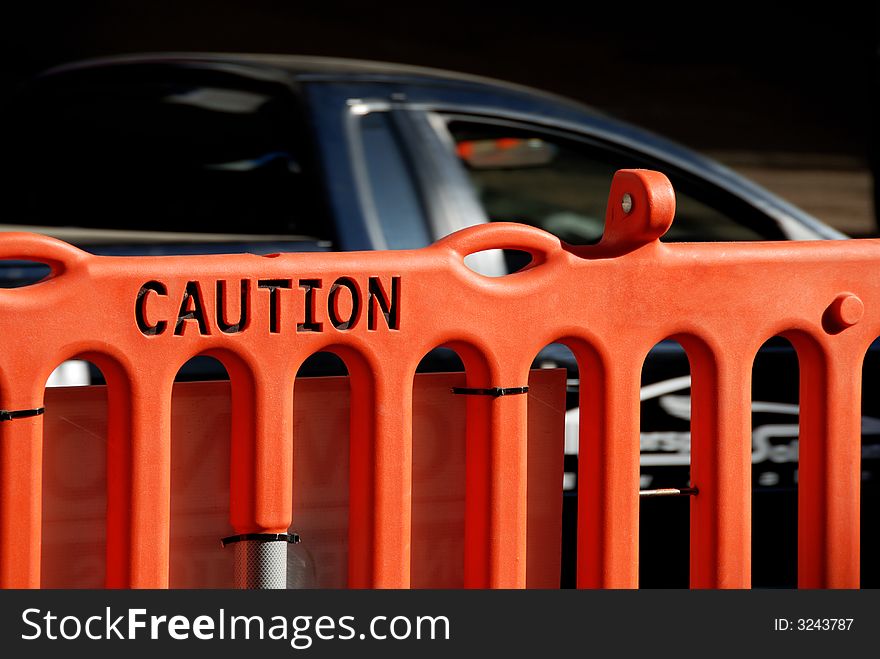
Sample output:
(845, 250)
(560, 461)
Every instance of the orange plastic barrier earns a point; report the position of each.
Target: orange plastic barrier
(140, 319)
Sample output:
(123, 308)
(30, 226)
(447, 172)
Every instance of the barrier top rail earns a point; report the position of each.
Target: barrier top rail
(141, 318)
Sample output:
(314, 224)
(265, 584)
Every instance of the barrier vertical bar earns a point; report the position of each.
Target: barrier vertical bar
(21, 468)
(829, 472)
(608, 473)
(380, 490)
(477, 486)
(392, 481)
(261, 478)
(495, 474)
(139, 469)
(508, 441)
(720, 467)
(21, 430)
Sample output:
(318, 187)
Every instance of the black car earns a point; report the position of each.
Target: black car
(189, 153)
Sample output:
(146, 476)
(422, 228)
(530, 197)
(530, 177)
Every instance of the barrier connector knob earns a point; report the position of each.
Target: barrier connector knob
(641, 206)
(845, 311)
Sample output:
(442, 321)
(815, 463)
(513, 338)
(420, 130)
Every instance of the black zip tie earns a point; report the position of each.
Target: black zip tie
(292, 538)
(494, 391)
(9, 415)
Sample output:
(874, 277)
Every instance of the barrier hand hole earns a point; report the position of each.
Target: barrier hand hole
(498, 262)
(28, 258)
(15, 273)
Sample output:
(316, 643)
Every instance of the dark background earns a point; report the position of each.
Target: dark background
(784, 94)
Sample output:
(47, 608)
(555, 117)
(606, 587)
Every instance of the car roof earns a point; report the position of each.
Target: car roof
(311, 66)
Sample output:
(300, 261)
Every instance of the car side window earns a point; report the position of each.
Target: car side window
(145, 150)
(561, 185)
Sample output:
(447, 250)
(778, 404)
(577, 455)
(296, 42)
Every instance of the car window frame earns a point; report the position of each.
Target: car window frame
(336, 110)
(708, 192)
